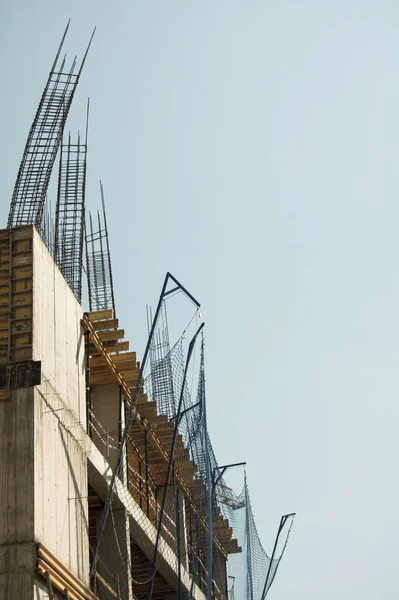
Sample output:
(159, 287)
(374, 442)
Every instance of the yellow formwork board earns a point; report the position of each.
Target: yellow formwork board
(23, 232)
(22, 245)
(22, 285)
(22, 312)
(21, 353)
(21, 326)
(22, 259)
(23, 271)
(21, 339)
(21, 298)
(16, 274)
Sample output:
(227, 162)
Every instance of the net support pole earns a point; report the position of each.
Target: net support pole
(210, 488)
(249, 545)
(280, 529)
(87, 382)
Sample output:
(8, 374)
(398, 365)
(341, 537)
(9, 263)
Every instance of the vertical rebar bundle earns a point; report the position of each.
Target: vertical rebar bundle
(161, 366)
(43, 142)
(98, 263)
(70, 214)
(47, 226)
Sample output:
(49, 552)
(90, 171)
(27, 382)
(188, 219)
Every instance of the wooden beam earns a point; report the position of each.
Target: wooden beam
(47, 561)
(114, 334)
(106, 585)
(110, 348)
(107, 324)
(95, 339)
(127, 370)
(56, 581)
(146, 410)
(99, 315)
(105, 379)
(117, 359)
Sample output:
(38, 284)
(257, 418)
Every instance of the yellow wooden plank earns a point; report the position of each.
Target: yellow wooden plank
(125, 369)
(21, 353)
(22, 245)
(64, 573)
(106, 324)
(106, 585)
(21, 326)
(22, 298)
(22, 259)
(95, 339)
(125, 357)
(100, 315)
(23, 312)
(111, 378)
(56, 581)
(111, 348)
(21, 339)
(22, 285)
(22, 272)
(107, 336)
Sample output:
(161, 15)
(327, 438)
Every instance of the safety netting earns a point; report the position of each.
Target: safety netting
(171, 526)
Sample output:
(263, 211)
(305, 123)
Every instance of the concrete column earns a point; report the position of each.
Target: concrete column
(183, 530)
(17, 549)
(170, 510)
(115, 558)
(105, 400)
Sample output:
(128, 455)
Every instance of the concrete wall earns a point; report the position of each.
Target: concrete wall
(58, 339)
(60, 465)
(61, 511)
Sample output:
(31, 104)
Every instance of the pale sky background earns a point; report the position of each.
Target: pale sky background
(251, 148)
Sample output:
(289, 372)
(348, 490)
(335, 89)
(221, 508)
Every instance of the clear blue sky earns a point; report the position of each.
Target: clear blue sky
(251, 148)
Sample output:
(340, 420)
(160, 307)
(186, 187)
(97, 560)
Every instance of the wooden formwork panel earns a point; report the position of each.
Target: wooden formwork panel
(21, 299)
(21, 325)
(22, 312)
(22, 245)
(21, 339)
(22, 272)
(22, 259)
(16, 294)
(22, 353)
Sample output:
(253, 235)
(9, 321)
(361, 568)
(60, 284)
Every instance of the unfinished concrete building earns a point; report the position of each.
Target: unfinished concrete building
(109, 486)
